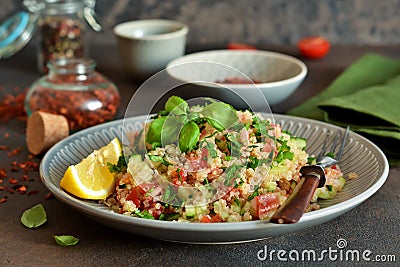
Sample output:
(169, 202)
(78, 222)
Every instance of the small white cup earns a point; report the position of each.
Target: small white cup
(147, 46)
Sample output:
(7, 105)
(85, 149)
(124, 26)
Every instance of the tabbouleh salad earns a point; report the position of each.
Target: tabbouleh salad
(211, 163)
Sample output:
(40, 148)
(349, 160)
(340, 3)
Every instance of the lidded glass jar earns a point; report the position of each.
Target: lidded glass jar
(74, 88)
(60, 26)
(61, 30)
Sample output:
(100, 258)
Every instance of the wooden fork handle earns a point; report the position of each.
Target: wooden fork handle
(297, 203)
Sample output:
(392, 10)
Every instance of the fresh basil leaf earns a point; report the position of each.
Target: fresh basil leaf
(220, 115)
(171, 128)
(34, 217)
(189, 136)
(176, 105)
(154, 132)
(66, 240)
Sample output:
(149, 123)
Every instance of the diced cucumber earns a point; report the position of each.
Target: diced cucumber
(342, 182)
(299, 142)
(246, 207)
(203, 209)
(278, 169)
(324, 193)
(193, 211)
(190, 211)
(139, 168)
(270, 186)
(235, 208)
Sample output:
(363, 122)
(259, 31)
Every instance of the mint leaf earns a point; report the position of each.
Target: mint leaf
(154, 132)
(189, 136)
(176, 105)
(171, 128)
(34, 217)
(220, 115)
(66, 240)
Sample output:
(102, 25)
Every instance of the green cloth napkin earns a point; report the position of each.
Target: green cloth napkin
(366, 96)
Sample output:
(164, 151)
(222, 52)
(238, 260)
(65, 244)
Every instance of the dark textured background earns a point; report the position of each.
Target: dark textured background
(368, 22)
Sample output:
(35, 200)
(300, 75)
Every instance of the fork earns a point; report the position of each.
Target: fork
(313, 176)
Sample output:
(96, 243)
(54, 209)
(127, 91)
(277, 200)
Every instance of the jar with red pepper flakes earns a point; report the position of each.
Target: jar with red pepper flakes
(74, 88)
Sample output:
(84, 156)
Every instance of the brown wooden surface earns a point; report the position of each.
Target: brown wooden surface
(373, 225)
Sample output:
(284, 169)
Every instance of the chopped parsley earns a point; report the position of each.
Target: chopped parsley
(121, 165)
(254, 194)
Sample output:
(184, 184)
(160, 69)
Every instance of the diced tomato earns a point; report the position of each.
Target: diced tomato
(216, 218)
(178, 176)
(203, 158)
(138, 193)
(262, 204)
(314, 47)
(240, 46)
(134, 195)
(206, 219)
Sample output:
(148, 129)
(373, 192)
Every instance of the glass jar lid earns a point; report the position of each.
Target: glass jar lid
(16, 32)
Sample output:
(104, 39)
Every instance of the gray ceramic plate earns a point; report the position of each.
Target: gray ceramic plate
(360, 156)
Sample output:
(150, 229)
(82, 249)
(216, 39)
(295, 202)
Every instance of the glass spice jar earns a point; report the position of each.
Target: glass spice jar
(58, 25)
(61, 31)
(74, 88)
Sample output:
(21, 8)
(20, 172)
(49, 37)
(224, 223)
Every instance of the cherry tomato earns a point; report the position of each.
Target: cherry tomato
(314, 47)
(240, 46)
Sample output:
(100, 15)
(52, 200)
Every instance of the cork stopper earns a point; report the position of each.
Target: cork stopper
(44, 130)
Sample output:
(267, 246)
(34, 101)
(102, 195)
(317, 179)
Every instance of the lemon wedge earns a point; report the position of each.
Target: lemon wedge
(91, 178)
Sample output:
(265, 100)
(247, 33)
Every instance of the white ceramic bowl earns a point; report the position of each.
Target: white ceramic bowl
(277, 75)
(146, 46)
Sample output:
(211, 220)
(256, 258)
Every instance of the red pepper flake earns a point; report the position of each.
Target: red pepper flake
(3, 147)
(6, 135)
(24, 177)
(13, 107)
(2, 188)
(49, 196)
(13, 181)
(77, 113)
(33, 192)
(3, 200)
(14, 152)
(21, 189)
(3, 173)
(11, 191)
